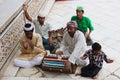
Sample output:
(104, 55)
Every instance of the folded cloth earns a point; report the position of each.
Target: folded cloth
(28, 63)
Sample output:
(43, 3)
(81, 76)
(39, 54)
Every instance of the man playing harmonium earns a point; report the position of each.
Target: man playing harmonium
(73, 45)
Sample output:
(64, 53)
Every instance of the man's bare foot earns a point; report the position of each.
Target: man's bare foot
(78, 71)
(77, 74)
(96, 76)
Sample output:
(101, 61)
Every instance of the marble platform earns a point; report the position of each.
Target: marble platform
(105, 18)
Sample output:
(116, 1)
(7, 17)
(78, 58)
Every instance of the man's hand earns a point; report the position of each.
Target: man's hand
(25, 44)
(30, 44)
(87, 36)
(82, 57)
(25, 6)
(50, 41)
(110, 60)
(59, 52)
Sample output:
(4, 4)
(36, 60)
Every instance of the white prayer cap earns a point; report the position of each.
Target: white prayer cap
(41, 14)
(28, 27)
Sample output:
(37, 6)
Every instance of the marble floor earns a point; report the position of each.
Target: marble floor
(105, 19)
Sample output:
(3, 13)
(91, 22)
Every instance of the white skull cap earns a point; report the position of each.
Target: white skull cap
(41, 14)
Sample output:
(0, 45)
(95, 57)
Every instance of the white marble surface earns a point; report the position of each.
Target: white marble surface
(11, 70)
(8, 9)
(105, 17)
(15, 78)
(117, 72)
(112, 77)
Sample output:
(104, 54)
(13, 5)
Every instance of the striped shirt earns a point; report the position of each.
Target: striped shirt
(96, 60)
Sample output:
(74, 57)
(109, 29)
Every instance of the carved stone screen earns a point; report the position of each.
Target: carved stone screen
(12, 23)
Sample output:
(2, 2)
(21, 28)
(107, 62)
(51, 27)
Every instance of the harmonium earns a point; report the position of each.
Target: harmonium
(53, 62)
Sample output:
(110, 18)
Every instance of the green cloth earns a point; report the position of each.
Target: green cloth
(84, 24)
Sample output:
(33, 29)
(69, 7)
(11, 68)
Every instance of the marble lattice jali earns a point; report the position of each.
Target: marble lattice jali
(10, 39)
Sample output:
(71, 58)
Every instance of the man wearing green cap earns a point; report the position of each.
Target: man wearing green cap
(84, 23)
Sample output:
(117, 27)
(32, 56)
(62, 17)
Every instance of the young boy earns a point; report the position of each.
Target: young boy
(96, 57)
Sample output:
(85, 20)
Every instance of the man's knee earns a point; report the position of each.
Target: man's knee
(81, 62)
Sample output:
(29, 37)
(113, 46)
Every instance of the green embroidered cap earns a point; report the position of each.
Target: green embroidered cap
(79, 8)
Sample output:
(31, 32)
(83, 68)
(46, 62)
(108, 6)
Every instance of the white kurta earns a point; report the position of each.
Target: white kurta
(74, 47)
(42, 30)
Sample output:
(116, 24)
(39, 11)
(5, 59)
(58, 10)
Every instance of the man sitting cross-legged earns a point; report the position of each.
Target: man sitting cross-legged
(32, 51)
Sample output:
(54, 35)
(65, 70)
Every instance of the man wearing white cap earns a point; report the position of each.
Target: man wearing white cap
(32, 51)
(43, 28)
(73, 44)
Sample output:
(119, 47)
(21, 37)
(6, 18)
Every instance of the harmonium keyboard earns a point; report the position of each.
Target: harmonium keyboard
(53, 62)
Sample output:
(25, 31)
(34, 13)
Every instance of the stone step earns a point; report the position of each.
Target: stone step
(14, 78)
(27, 78)
(47, 6)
